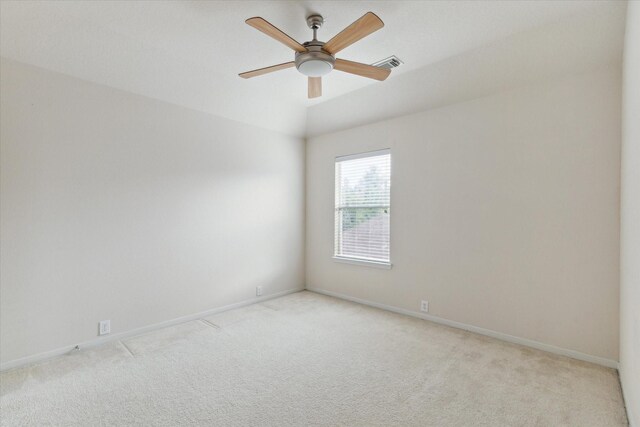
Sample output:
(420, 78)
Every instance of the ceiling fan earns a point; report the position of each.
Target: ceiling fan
(315, 58)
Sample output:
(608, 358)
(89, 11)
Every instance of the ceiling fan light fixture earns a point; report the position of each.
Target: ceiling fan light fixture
(315, 62)
(315, 68)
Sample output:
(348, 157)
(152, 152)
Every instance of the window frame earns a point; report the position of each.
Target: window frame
(351, 259)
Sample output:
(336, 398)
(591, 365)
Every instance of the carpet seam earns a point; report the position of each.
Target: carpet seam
(210, 324)
(127, 348)
(266, 306)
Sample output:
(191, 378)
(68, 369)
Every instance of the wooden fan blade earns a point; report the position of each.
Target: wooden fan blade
(364, 26)
(315, 87)
(363, 70)
(274, 32)
(266, 70)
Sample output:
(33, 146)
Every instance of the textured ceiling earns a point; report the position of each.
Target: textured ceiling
(189, 52)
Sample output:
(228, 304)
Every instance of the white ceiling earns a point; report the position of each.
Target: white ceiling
(574, 45)
(189, 52)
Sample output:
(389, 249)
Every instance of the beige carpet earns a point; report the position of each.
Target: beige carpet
(308, 359)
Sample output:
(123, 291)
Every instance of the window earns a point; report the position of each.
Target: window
(362, 209)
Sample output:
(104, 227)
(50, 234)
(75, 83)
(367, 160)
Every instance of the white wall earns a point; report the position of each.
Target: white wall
(115, 206)
(630, 220)
(505, 212)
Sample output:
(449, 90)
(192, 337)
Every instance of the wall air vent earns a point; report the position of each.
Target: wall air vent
(390, 62)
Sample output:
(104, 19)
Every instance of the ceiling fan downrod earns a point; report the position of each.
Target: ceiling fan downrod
(315, 22)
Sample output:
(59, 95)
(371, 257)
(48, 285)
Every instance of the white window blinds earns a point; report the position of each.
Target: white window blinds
(362, 206)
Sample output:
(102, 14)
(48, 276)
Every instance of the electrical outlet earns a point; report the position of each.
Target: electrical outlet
(258, 291)
(105, 327)
(424, 306)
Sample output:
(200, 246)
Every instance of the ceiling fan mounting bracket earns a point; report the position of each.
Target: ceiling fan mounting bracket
(315, 21)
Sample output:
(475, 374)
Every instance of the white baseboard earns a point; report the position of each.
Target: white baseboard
(17, 363)
(482, 331)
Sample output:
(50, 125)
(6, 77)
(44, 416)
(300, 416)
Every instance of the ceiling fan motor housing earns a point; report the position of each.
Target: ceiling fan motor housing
(315, 62)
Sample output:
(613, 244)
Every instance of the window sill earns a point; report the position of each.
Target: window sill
(366, 263)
